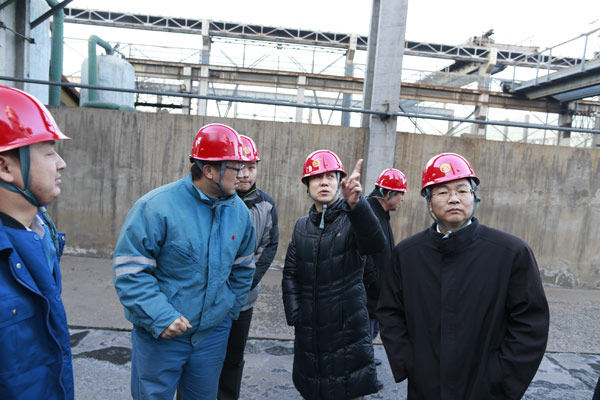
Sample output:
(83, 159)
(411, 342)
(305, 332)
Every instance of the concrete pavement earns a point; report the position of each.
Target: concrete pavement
(102, 345)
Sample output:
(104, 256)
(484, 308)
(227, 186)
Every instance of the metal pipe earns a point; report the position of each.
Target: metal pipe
(56, 54)
(92, 64)
(383, 114)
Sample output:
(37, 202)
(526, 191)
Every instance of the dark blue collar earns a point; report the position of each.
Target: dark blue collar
(10, 222)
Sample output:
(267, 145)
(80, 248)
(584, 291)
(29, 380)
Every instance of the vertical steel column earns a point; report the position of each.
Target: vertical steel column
(300, 97)
(189, 86)
(565, 119)
(525, 130)
(596, 138)
(371, 51)
(349, 71)
(204, 68)
(387, 79)
(22, 17)
(481, 112)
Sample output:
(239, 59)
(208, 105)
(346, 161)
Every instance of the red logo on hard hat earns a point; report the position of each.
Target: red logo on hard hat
(445, 168)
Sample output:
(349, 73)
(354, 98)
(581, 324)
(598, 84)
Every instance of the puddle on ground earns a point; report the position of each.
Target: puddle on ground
(114, 355)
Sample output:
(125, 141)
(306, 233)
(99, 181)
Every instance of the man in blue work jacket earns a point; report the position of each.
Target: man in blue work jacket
(35, 350)
(183, 267)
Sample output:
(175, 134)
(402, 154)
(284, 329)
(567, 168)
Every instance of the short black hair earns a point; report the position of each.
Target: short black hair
(12, 153)
(196, 171)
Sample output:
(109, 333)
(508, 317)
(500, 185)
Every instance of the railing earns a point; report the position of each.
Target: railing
(545, 68)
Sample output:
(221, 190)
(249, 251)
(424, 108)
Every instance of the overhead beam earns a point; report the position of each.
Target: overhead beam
(353, 85)
(470, 52)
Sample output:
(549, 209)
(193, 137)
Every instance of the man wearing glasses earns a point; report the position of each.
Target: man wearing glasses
(183, 267)
(462, 311)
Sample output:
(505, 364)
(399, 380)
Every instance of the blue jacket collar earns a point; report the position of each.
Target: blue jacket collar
(206, 199)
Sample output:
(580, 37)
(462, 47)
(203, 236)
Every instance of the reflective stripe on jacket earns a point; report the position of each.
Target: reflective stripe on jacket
(181, 254)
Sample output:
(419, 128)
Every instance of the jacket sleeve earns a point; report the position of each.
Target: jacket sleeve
(134, 262)
(242, 270)
(366, 228)
(524, 343)
(392, 321)
(290, 285)
(370, 274)
(265, 252)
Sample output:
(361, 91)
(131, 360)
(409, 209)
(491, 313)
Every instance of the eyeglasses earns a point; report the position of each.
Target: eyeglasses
(236, 169)
(444, 195)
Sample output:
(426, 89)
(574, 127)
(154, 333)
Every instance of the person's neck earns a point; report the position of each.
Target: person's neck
(383, 204)
(243, 193)
(319, 206)
(16, 206)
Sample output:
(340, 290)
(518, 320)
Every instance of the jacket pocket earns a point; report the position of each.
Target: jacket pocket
(14, 309)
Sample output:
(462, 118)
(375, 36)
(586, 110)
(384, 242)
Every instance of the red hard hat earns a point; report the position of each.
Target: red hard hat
(217, 142)
(392, 179)
(249, 149)
(446, 167)
(24, 120)
(321, 161)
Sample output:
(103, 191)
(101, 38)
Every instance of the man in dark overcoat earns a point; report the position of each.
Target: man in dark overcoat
(462, 310)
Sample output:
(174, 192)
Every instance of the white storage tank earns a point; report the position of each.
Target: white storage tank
(113, 71)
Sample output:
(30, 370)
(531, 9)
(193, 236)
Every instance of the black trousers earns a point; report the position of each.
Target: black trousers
(597, 391)
(233, 366)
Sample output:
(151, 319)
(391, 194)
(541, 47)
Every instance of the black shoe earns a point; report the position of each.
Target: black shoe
(379, 385)
(377, 361)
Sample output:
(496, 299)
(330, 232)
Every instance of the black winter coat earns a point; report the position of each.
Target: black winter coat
(465, 317)
(324, 300)
(377, 263)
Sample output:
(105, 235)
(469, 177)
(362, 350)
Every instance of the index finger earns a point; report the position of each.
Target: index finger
(357, 167)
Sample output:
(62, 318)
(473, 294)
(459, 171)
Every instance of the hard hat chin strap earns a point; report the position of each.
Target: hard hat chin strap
(381, 196)
(218, 183)
(25, 161)
(25, 166)
(477, 199)
(323, 204)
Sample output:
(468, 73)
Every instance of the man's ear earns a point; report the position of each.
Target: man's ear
(8, 167)
(208, 171)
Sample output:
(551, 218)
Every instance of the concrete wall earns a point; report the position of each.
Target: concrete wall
(546, 195)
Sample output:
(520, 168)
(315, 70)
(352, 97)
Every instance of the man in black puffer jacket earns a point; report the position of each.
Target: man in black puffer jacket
(386, 197)
(323, 293)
